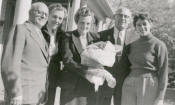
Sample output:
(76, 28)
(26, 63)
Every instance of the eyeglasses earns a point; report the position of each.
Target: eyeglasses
(41, 13)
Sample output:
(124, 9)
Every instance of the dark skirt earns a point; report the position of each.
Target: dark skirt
(70, 97)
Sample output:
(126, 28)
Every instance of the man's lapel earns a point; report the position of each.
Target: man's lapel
(39, 40)
(126, 38)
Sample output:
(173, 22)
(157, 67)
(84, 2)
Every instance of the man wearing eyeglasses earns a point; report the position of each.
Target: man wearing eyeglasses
(25, 60)
(120, 35)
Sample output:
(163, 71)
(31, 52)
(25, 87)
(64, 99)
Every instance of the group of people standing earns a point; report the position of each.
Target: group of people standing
(39, 56)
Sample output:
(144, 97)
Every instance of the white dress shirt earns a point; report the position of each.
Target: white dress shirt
(53, 44)
(120, 34)
(83, 40)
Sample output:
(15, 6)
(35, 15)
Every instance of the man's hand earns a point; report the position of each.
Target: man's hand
(42, 98)
(16, 100)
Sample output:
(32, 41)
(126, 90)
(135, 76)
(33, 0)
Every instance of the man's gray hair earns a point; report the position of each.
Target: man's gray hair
(121, 9)
(37, 5)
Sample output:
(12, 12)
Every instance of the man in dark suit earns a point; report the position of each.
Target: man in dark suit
(25, 60)
(121, 36)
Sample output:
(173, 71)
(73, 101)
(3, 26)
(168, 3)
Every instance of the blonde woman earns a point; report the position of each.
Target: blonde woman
(53, 34)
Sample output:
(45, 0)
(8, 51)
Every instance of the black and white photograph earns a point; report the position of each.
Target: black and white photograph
(87, 52)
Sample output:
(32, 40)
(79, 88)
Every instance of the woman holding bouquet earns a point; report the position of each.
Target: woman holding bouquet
(76, 82)
(148, 58)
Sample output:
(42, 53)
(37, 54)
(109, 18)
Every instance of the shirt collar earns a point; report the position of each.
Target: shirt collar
(116, 31)
(122, 34)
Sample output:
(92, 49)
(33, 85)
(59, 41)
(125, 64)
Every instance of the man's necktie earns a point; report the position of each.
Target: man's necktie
(119, 42)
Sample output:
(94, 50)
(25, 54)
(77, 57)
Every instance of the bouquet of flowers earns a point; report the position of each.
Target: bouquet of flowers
(97, 55)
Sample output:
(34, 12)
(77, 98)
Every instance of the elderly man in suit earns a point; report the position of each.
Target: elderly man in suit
(25, 60)
(119, 35)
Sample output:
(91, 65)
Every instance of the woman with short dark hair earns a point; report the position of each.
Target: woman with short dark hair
(148, 61)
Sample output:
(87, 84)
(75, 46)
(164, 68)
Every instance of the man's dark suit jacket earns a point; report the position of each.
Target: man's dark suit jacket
(24, 63)
(118, 72)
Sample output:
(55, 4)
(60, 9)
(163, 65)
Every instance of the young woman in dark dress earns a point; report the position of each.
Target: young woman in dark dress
(53, 34)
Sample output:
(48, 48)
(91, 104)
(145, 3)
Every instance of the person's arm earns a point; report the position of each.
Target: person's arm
(102, 35)
(163, 71)
(11, 62)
